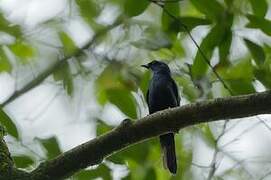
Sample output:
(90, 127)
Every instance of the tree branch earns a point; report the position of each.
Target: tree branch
(7, 168)
(170, 120)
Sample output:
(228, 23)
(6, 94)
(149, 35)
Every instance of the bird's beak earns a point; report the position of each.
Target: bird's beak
(145, 66)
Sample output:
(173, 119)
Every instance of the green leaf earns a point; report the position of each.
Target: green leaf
(151, 44)
(263, 73)
(102, 171)
(214, 38)
(114, 76)
(256, 51)
(153, 40)
(67, 42)
(88, 9)
(259, 23)
(211, 8)
(189, 91)
(150, 174)
(124, 100)
(8, 124)
(229, 3)
(63, 73)
(51, 147)
(168, 23)
(23, 161)
(192, 22)
(177, 48)
(4, 62)
(239, 77)
(259, 7)
(241, 86)
(23, 50)
(243, 70)
(208, 135)
(102, 128)
(144, 82)
(6, 26)
(135, 7)
(137, 153)
(224, 48)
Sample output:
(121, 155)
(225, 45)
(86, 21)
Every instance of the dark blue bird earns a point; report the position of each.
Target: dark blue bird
(163, 94)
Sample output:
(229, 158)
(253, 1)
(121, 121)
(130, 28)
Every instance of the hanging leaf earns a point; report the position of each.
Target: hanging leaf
(213, 38)
(68, 44)
(154, 44)
(115, 75)
(263, 73)
(63, 74)
(150, 174)
(256, 51)
(239, 77)
(144, 82)
(259, 7)
(102, 127)
(6, 26)
(242, 70)
(153, 39)
(51, 147)
(88, 9)
(135, 8)
(136, 153)
(259, 23)
(168, 23)
(192, 22)
(8, 124)
(23, 50)
(211, 8)
(112, 82)
(241, 86)
(208, 135)
(189, 91)
(4, 62)
(23, 161)
(124, 100)
(224, 48)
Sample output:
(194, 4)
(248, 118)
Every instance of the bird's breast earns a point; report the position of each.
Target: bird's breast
(161, 94)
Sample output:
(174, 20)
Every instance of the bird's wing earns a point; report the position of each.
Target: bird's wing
(176, 92)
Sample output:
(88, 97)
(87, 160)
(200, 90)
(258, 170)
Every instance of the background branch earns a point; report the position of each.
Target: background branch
(40, 78)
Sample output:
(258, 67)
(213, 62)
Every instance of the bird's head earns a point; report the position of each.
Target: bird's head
(157, 67)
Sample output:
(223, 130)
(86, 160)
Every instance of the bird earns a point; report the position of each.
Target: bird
(162, 94)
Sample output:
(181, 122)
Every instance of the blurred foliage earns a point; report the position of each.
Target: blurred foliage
(8, 124)
(64, 74)
(113, 59)
(102, 171)
(50, 146)
(23, 161)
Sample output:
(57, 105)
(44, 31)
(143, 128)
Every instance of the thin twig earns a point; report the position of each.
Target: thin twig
(214, 160)
(196, 44)
(41, 77)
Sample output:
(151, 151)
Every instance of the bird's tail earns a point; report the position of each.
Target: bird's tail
(169, 155)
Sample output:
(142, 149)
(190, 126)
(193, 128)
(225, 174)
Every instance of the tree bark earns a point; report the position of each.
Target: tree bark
(170, 120)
